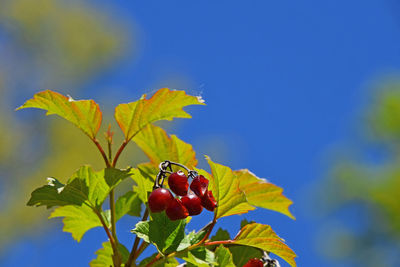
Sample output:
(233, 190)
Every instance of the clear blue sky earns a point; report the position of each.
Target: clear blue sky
(283, 82)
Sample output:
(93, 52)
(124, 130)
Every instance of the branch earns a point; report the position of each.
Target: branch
(121, 148)
(133, 255)
(103, 154)
(117, 260)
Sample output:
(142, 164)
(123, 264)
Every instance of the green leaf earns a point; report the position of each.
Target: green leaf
(85, 114)
(221, 234)
(200, 256)
(225, 188)
(191, 239)
(77, 219)
(263, 237)
(56, 194)
(192, 261)
(165, 234)
(158, 146)
(242, 254)
(144, 181)
(104, 255)
(91, 185)
(245, 222)
(114, 176)
(129, 203)
(84, 186)
(224, 257)
(165, 104)
(261, 193)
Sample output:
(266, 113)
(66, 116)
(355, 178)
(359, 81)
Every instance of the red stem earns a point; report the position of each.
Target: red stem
(121, 148)
(96, 142)
(222, 242)
(156, 258)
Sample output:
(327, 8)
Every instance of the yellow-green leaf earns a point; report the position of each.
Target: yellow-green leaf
(104, 255)
(263, 237)
(224, 257)
(261, 193)
(85, 114)
(165, 104)
(225, 188)
(158, 146)
(77, 219)
(144, 179)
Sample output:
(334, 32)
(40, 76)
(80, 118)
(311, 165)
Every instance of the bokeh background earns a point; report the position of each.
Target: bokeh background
(304, 93)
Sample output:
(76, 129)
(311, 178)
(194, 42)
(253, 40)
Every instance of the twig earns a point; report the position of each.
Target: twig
(133, 255)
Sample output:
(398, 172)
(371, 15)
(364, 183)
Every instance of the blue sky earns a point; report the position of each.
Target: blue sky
(284, 82)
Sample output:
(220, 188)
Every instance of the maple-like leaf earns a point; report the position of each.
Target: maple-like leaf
(77, 219)
(165, 104)
(225, 187)
(263, 237)
(85, 114)
(261, 193)
(158, 146)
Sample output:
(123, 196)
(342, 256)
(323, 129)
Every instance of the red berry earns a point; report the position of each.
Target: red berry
(208, 201)
(178, 183)
(192, 203)
(254, 263)
(199, 185)
(159, 199)
(176, 210)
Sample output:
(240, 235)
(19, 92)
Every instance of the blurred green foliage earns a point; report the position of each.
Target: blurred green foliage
(363, 190)
(46, 44)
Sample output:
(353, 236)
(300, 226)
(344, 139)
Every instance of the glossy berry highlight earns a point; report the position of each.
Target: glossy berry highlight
(178, 183)
(192, 204)
(254, 263)
(159, 199)
(176, 210)
(199, 185)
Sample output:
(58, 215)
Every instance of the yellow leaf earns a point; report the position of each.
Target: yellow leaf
(165, 104)
(158, 146)
(225, 187)
(261, 193)
(263, 237)
(85, 114)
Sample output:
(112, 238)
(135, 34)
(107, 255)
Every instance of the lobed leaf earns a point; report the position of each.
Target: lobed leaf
(84, 186)
(57, 194)
(129, 203)
(143, 177)
(263, 237)
(225, 188)
(165, 104)
(85, 114)
(240, 254)
(261, 193)
(191, 239)
(91, 185)
(104, 255)
(158, 146)
(165, 234)
(114, 176)
(77, 219)
(223, 257)
(193, 261)
(199, 257)
(221, 234)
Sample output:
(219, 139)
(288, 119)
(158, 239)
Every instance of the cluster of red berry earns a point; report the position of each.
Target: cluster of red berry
(187, 201)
